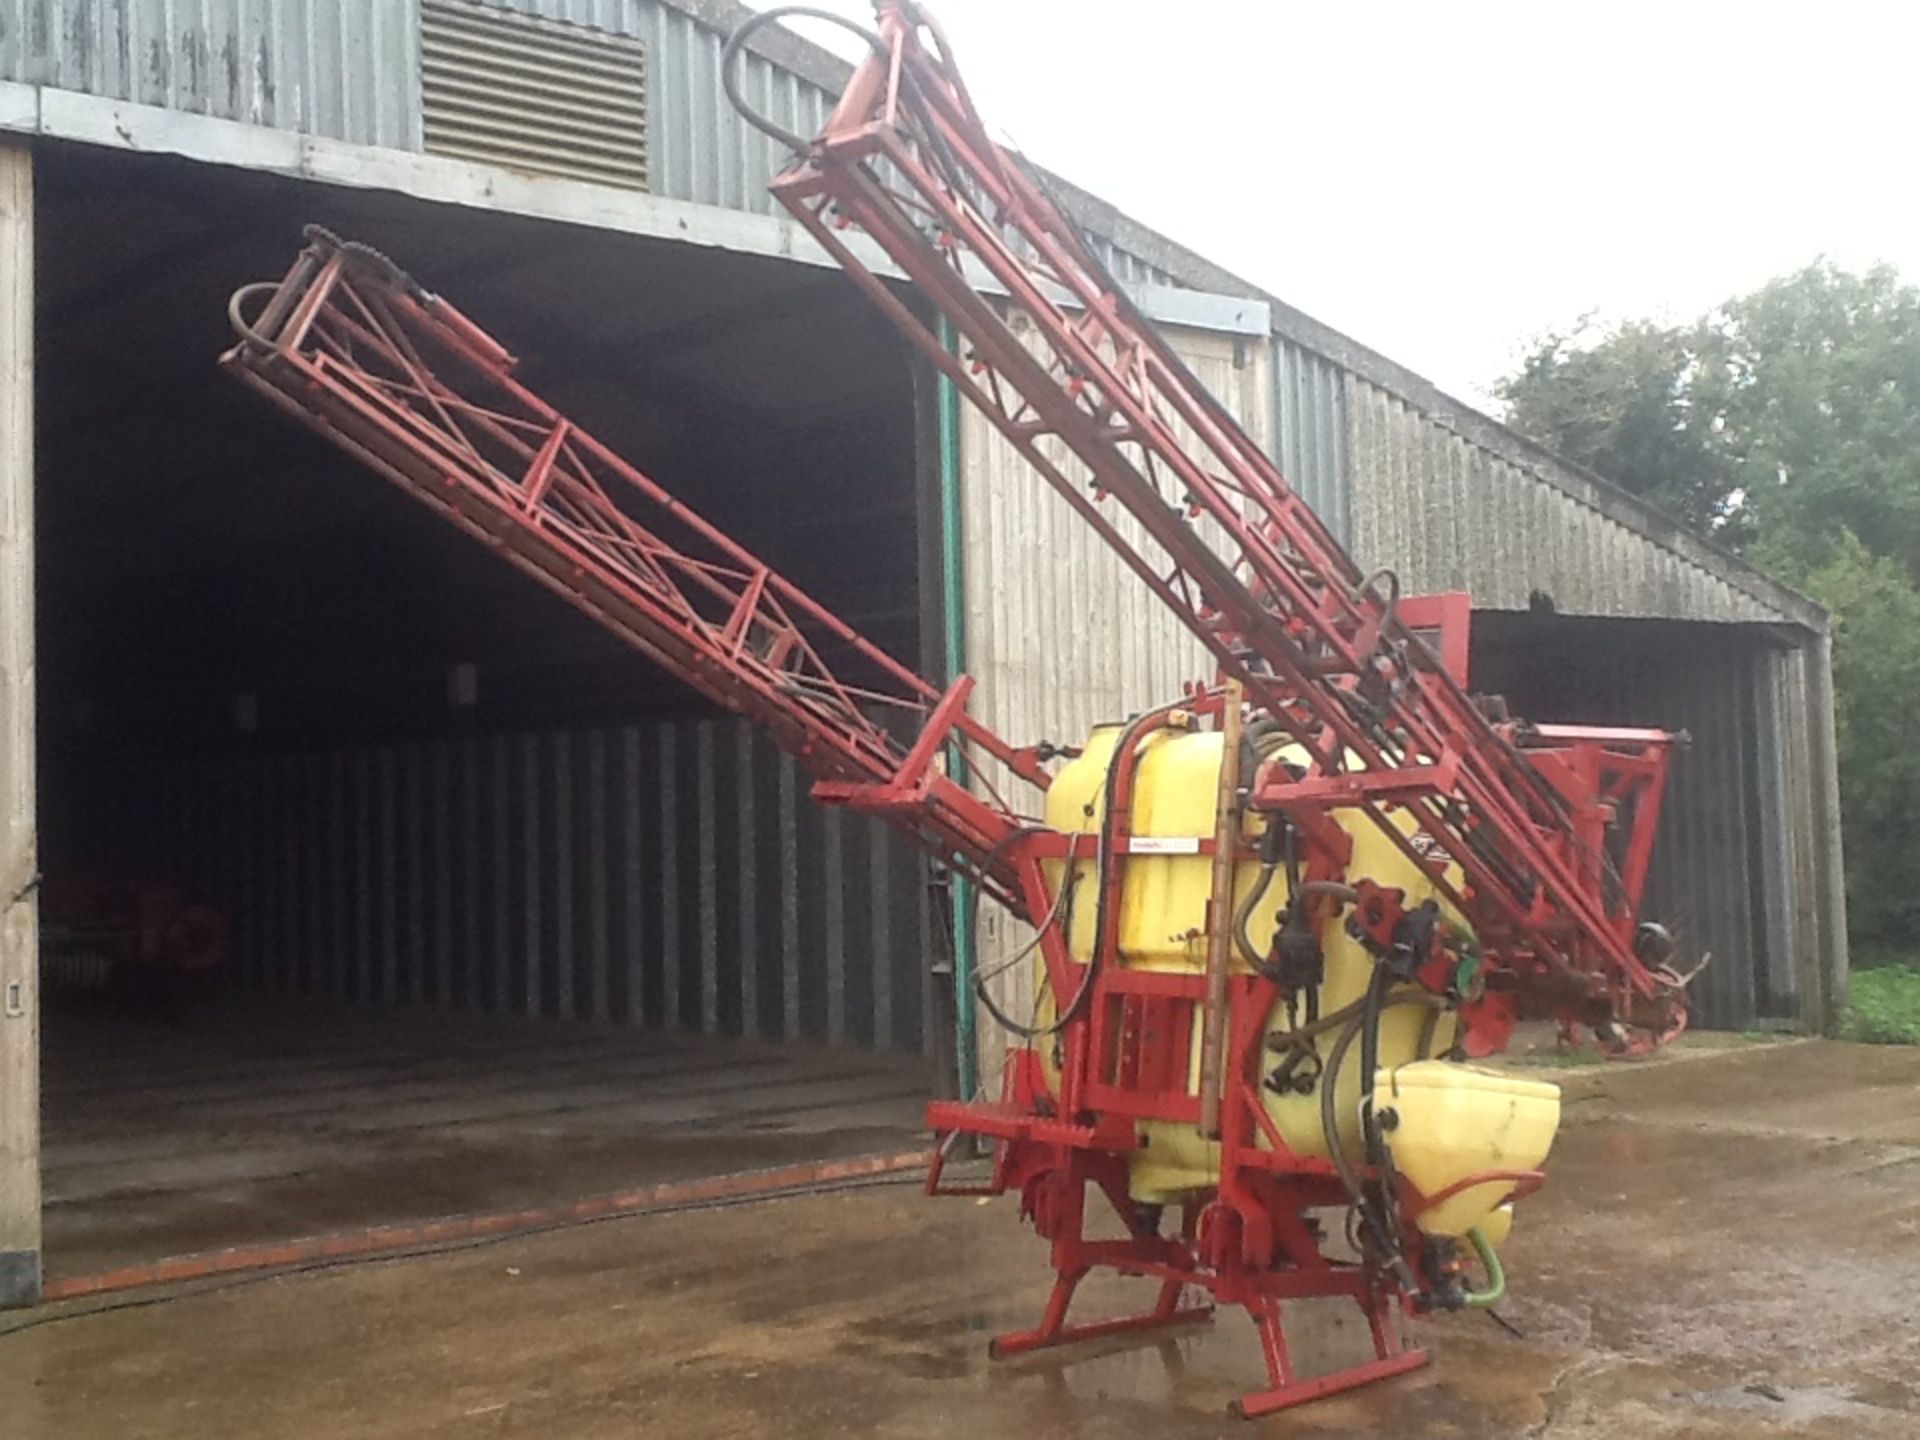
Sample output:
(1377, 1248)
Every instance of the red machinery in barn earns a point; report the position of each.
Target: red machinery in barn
(1308, 877)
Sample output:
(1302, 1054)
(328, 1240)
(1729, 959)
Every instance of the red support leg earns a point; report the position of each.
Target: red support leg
(1286, 1391)
(1054, 1330)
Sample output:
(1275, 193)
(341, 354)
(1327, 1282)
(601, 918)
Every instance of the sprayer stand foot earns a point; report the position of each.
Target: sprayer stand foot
(1053, 1329)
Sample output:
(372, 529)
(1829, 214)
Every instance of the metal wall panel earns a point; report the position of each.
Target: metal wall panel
(700, 149)
(664, 874)
(1060, 634)
(1449, 514)
(1310, 432)
(346, 69)
(503, 88)
(1729, 875)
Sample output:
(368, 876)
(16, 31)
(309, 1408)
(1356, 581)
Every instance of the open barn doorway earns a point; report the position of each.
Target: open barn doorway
(484, 911)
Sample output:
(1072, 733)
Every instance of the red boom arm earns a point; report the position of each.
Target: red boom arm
(407, 384)
(906, 159)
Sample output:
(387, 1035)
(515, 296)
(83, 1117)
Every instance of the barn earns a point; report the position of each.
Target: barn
(508, 919)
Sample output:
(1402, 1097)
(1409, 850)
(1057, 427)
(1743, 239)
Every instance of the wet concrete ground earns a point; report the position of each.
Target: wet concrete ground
(1728, 1247)
(212, 1126)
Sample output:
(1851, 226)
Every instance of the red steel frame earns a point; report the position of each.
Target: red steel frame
(1383, 717)
(401, 380)
(404, 382)
(906, 160)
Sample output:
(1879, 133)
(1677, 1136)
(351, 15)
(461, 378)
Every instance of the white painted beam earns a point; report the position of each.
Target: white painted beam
(19, 907)
(119, 125)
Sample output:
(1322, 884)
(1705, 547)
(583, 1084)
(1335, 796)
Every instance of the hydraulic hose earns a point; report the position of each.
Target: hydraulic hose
(736, 43)
(1061, 914)
(1063, 903)
(1496, 1286)
(1244, 912)
(1354, 1017)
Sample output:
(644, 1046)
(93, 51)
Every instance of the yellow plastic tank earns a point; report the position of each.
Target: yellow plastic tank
(1449, 1122)
(1161, 926)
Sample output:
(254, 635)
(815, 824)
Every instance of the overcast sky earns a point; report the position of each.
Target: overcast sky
(1445, 182)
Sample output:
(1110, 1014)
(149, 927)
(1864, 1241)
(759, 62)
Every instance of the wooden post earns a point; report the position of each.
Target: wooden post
(1824, 1011)
(19, 908)
(1226, 838)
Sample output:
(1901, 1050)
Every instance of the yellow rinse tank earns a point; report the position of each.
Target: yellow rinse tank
(1161, 923)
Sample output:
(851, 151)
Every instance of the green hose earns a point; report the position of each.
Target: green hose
(1496, 1273)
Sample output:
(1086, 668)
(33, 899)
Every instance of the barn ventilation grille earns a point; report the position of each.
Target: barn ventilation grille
(509, 89)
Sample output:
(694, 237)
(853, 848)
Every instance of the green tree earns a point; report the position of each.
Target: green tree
(1876, 682)
(1786, 424)
(1620, 403)
(1811, 386)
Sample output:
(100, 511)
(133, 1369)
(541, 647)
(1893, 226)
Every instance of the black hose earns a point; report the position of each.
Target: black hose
(1129, 737)
(1349, 1016)
(1061, 913)
(736, 42)
(1060, 916)
(1355, 1018)
(1244, 912)
(1392, 600)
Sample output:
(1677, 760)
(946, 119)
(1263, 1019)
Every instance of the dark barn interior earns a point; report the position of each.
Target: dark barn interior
(430, 802)
(1708, 883)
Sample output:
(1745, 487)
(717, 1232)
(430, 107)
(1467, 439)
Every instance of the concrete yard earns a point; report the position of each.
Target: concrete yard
(1729, 1246)
(212, 1126)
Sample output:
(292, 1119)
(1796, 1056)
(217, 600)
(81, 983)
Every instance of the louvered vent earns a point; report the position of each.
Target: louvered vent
(513, 90)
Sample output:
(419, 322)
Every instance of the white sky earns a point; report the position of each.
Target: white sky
(1446, 182)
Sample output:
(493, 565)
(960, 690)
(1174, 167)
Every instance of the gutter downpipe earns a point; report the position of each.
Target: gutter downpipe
(954, 627)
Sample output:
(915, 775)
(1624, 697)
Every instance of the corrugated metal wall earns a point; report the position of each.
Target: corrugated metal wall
(1451, 515)
(664, 874)
(1723, 877)
(348, 69)
(1060, 634)
(1059, 637)
(1401, 488)
(700, 148)
(1745, 854)
(1740, 860)
(1310, 441)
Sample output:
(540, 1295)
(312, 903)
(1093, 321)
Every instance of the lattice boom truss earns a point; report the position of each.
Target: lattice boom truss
(404, 382)
(906, 160)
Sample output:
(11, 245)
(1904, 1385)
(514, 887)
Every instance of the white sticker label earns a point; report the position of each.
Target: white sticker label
(1164, 845)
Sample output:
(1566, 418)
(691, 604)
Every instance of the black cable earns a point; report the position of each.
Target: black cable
(1061, 914)
(455, 1247)
(1505, 1324)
